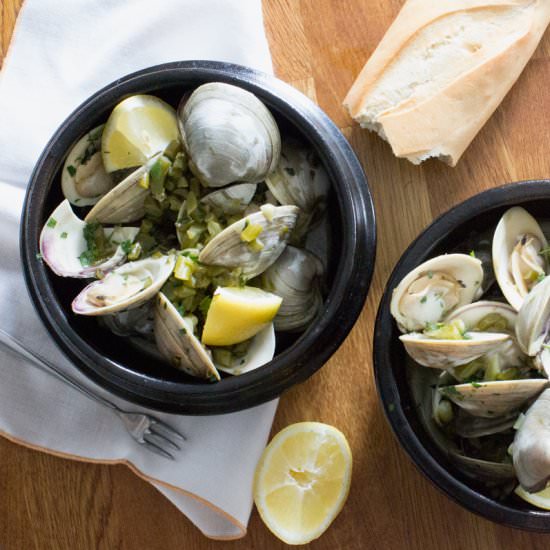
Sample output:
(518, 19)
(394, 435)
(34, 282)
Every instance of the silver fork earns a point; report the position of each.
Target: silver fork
(155, 435)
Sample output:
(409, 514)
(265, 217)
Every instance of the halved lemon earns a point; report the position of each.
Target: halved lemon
(238, 313)
(540, 499)
(302, 481)
(138, 128)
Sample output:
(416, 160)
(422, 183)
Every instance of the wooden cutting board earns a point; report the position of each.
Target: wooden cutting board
(318, 46)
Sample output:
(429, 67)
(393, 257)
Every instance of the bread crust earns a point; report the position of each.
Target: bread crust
(444, 124)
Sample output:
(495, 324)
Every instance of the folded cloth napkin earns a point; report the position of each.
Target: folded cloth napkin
(61, 52)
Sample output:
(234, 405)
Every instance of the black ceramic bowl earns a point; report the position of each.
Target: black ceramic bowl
(450, 232)
(110, 360)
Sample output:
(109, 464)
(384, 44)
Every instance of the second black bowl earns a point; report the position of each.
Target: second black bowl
(450, 232)
(116, 365)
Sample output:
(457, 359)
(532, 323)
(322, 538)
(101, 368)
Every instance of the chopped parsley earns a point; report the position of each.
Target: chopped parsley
(430, 274)
(52, 222)
(476, 384)
(424, 299)
(72, 170)
(472, 253)
(64, 235)
(99, 247)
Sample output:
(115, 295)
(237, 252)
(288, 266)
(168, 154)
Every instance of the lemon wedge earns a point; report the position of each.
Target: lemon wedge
(138, 128)
(302, 481)
(238, 313)
(540, 499)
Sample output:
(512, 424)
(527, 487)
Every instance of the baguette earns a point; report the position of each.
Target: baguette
(442, 69)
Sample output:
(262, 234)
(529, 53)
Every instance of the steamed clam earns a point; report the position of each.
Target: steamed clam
(295, 276)
(517, 261)
(229, 134)
(84, 179)
(159, 283)
(434, 289)
(252, 243)
(66, 242)
(126, 287)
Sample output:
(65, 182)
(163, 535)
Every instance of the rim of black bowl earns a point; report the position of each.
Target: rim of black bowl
(342, 306)
(386, 381)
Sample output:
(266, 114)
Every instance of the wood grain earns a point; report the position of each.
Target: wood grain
(319, 46)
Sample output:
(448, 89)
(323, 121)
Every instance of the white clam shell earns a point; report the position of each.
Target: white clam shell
(531, 447)
(472, 314)
(84, 184)
(260, 352)
(295, 278)
(533, 319)
(137, 283)
(62, 242)
(229, 250)
(443, 354)
(177, 343)
(512, 227)
(231, 200)
(296, 180)
(229, 133)
(495, 398)
(125, 202)
(465, 270)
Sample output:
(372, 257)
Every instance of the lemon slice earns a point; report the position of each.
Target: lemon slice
(138, 128)
(540, 499)
(238, 313)
(302, 481)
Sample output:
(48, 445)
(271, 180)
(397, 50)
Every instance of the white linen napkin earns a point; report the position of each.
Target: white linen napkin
(62, 51)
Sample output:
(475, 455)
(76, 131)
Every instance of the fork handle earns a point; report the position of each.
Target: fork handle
(17, 347)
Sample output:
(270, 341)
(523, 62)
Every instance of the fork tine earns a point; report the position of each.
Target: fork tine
(166, 430)
(156, 449)
(160, 440)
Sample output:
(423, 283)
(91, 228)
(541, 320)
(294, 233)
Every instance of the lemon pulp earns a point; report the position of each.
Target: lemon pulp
(302, 481)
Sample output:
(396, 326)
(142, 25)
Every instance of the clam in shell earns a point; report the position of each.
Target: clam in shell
(295, 277)
(230, 135)
(176, 341)
(299, 179)
(518, 266)
(126, 287)
(434, 289)
(84, 179)
(233, 248)
(531, 447)
(446, 353)
(231, 200)
(495, 398)
(125, 202)
(62, 244)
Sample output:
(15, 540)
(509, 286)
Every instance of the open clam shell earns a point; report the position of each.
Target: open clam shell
(533, 322)
(434, 289)
(229, 133)
(260, 352)
(126, 287)
(495, 398)
(473, 315)
(125, 202)
(62, 243)
(295, 277)
(177, 343)
(517, 263)
(84, 179)
(531, 447)
(229, 249)
(443, 353)
(231, 200)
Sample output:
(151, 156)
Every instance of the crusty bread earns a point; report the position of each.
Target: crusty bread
(441, 70)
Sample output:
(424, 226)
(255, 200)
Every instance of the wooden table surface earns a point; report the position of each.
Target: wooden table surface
(319, 46)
